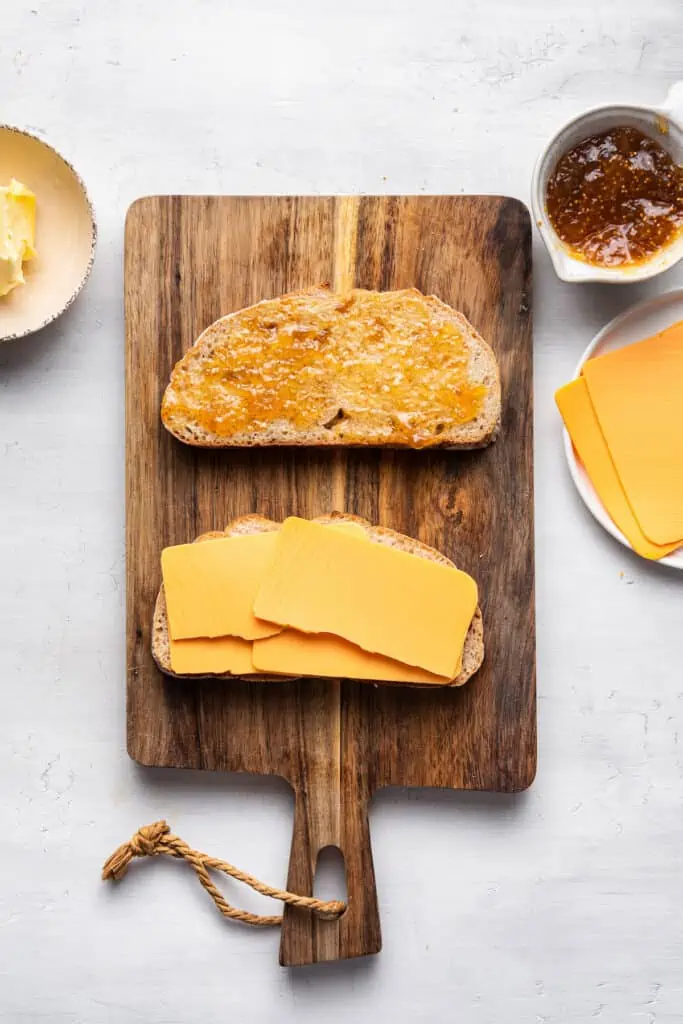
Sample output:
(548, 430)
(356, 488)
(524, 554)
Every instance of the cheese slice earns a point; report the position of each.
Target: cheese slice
(637, 394)
(384, 600)
(355, 529)
(582, 425)
(210, 587)
(212, 657)
(216, 655)
(327, 656)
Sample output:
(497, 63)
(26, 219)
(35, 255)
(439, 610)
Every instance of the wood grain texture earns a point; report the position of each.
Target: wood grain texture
(188, 261)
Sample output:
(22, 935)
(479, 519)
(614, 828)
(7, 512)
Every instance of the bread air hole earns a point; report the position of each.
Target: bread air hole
(337, 418)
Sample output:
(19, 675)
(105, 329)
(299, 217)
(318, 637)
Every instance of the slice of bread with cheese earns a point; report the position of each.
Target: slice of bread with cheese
(333, 651)
(316, 368)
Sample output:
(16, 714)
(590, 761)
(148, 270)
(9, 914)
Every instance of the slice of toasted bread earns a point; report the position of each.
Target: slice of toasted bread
(473, 650)
(395, 369)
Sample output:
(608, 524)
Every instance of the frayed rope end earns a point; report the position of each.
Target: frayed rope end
(145, 843)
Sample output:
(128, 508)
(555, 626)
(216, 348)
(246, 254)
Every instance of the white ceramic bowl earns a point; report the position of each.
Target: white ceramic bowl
(66, 234)
(663, 123)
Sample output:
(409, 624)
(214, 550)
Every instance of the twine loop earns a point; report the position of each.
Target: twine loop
(157, 840)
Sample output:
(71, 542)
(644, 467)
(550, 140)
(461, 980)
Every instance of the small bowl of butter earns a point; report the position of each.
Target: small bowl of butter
(607, 192)
(47, 234)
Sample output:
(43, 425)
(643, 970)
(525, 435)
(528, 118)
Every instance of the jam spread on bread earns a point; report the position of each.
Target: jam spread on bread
(341, 362)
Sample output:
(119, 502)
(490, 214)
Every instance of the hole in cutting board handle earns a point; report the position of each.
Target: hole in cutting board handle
(329, 882)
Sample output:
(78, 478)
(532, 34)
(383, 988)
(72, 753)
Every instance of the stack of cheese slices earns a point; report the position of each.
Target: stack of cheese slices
(624, 415)
(334, 597)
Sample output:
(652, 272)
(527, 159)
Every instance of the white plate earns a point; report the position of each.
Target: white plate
(643, 320)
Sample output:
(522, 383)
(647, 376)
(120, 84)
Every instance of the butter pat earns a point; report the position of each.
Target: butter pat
(17, 233)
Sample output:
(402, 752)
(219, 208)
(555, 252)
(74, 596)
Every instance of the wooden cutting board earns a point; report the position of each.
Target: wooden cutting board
(191, 259)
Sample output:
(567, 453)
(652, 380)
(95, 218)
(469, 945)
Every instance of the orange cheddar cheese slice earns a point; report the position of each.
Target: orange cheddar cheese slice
(355, 529)
(384, 600)
(637, 395)
(218, 655)
(212, 657)
(582, 425)
(210, 587)
(325, 655)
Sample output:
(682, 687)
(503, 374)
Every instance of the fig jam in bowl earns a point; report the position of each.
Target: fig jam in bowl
(607, 193)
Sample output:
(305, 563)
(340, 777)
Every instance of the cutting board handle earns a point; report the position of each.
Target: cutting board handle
(306, 937)
(330, 809)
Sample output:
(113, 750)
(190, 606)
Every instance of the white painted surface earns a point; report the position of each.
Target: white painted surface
(557, 907)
